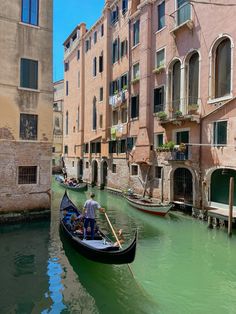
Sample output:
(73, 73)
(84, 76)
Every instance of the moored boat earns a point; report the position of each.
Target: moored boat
(102, 249)
(148, 205)
(78, 187)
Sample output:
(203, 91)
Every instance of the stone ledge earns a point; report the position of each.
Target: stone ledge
(23, 216)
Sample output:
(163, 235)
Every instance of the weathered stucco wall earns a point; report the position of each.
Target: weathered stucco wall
(20, 40)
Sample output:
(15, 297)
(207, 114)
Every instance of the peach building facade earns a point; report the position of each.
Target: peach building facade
(150, 100)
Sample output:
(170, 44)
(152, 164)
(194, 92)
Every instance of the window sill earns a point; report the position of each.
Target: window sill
(135, 46)
(216, 100)
(29, 89)
(29, 25)
(134, 119)
(160, 30)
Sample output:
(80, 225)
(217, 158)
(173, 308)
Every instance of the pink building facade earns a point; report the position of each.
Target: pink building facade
(150, 100)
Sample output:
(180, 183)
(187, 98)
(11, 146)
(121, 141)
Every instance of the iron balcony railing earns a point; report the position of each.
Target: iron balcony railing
(182, 14)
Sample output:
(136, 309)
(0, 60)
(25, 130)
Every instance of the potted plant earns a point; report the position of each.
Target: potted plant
(182, 147)
(135, 80)
(178, 113)
(159, 69)
(192, 108)
(162, 115)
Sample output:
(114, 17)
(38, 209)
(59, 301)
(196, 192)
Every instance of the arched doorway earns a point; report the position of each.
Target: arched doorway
(94, 172)
(220, 185)
(104, 168)
(183, 186)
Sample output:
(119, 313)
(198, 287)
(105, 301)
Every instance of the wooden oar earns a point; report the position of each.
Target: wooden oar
(108, 220)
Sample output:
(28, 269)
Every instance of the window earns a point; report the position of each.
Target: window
(29, 74)
(134, 107)
(66, 66)
(158, 172)
(53, 162)
(113, 168)
(102, 30)
(95, 37)
(112, 147)
(94, 66)
(124, 6)
(115, 51)
(73, 164)
(28, 126)
(161, 15)
(101, 94)
(66, 149)
(158, 139)
(136, 73)
(131, 143)
(77, 120)
(27, 175)
(67, 122)
(29, 11)
(220, 133)
(95, 147)
(115, 117)
(79, 79)
(124, 81)
(159, 99)
(123, 48)
(78, 54)
(87, 44)
(193, 79)
(94, 114)
(160, 58)
(122, 146)
(123, 114)
(100, 121)
(54, 149)
(134, 170)
(223, 68)
(115, 15)
(136, 33)
(67, 88)
(87, 164)
(101, 63)
(176, 86)
(86, 148)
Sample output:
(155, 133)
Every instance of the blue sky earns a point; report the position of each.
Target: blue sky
(68, 14)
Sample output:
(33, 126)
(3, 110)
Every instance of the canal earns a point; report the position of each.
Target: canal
(180, 266)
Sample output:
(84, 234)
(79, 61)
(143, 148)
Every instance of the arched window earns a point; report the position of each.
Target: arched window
(94, 114)
(67, 122)
(222, 68)
(193, 79)
(176, 86)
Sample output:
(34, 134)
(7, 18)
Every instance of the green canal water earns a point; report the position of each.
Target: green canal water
(180, 267)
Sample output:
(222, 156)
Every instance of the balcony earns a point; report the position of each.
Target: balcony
(182, 18)
(180, 109)
(178, 153)
(72, 45)
(118, 99)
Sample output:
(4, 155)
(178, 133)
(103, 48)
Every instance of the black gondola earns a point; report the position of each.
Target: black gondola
(101, 249)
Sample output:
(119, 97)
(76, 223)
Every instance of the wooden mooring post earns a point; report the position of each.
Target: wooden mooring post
(231, 202)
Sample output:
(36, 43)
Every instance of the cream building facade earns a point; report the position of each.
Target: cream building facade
(149, 100)
(58, 104)
(26, 98)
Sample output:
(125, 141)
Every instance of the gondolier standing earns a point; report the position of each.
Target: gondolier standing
(90, 207)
